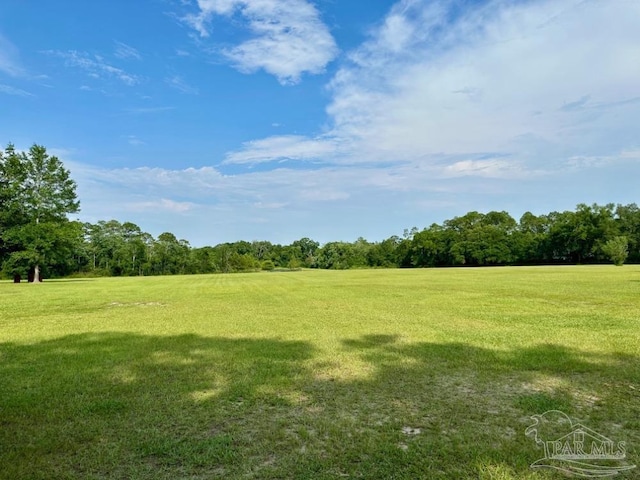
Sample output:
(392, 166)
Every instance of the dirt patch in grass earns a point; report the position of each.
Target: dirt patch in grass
(137, 304)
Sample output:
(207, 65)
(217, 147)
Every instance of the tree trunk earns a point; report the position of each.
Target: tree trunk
(36, 275)
(17, 278)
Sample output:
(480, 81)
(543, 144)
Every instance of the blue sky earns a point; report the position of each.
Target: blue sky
(224, 120)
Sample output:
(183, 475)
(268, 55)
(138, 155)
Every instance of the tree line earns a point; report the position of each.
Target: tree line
(36, 237)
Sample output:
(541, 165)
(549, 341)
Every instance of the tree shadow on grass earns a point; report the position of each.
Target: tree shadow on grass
(472, 405)
(121, 405)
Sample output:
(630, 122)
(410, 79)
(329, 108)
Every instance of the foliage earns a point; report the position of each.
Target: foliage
(37, 194)
(617, 249)
(268, 265)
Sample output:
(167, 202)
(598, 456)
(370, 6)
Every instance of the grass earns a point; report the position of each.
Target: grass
(379, 374)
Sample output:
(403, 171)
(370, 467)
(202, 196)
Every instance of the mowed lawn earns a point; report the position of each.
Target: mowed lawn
(369, 374)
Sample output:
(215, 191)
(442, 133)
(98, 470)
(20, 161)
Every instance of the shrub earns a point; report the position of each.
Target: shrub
(268, 265)
(617, 250)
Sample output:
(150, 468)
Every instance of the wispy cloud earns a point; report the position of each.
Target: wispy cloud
(162, 205)
(207, 185)
(134, 140)
(9, 62)
(201, 200)
(340, 199)
(491, 168)
(124, 52)
(181, 85)
(9, 90)
(590, 162)
(147, 110)
(530, 83)
(95, 66)
(285, 147)
(289, 38)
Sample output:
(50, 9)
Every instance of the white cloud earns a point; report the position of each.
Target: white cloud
(288, 36)
(531, 83)
(124, 52)
(208, 8)
(134, 140)
(95, 66)
(272, 205)
(9, 90)
(269, 189)
(282, 147)
(472, 86)
(493, 168)
(526, 103)
(179, 84)
(9, 62)
(163, 205)
(147, 110)
(630, 154)
(331, 202)
(581, 162)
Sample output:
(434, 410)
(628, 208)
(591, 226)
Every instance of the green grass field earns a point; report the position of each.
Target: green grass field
(369, 374)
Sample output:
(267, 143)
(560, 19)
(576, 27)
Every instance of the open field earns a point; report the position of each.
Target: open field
(316, 374)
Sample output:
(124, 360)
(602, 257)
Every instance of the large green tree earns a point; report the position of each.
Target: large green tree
(38, 194)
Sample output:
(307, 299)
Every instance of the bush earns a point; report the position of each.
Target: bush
(294, 264)
(268, 265)
(617, 250)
